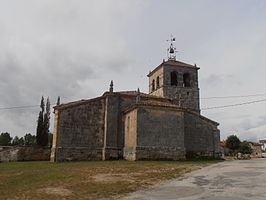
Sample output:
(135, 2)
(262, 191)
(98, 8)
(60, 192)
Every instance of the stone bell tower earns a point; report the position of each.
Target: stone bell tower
(176, 80)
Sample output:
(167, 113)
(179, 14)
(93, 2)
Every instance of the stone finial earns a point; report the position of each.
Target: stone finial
(138, 96)
(58, 101)
(111, 89)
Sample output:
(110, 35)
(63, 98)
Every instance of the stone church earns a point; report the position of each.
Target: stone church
(165, 124)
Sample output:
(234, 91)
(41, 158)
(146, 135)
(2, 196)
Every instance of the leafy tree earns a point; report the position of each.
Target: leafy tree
(21, 141)
(245, 148)
(5, 139)
(18, 141)
(232, 142)
(29, 140)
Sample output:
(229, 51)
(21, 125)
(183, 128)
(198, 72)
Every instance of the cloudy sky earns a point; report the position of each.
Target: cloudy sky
(73, 49)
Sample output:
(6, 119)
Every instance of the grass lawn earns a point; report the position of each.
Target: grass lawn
(86, 180)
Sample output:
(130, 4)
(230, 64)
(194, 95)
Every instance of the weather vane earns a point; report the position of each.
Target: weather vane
(171, 51)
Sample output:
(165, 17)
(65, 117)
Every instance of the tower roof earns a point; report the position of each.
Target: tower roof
(173, 63)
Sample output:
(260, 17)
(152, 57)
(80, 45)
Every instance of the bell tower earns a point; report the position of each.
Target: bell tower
(176, 80)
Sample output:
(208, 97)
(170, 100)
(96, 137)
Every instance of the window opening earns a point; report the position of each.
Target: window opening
(157, 82)
(186, 80)
(174, 78)
(153, 85)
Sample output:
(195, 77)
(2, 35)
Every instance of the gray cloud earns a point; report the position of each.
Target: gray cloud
(214, 80)
(74, 48)
(53, 50)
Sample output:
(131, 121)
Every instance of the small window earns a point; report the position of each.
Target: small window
(153, 85)
(186, 80)
(174, 78)
(157, 82)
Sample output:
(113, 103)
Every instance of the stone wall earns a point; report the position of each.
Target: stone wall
(80, 131)
(93, 130)
(188, 97)
(114, 123)
(78, 153)
(159, 134)
(130, 135)
(202, 137)
(158, 90)
(25, 154)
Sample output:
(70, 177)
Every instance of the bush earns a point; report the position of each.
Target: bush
(245, 148)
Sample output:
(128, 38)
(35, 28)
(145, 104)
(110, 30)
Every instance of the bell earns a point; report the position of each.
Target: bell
(172, 50)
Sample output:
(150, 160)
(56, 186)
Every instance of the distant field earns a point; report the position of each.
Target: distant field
(86, 180)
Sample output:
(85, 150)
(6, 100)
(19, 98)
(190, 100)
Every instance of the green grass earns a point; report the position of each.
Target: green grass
(86, 180)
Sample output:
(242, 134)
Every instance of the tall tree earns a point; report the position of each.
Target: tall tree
(5, 139)
(40, 127)
(46, 123)
(58, 101)
(43, 123)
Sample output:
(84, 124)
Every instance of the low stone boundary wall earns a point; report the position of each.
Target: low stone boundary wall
(25, 154)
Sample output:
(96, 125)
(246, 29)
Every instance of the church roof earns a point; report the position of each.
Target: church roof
(76, 103)
(157, 104)
(135, 93)
(145, 100)
(173, 63)
(120, 93)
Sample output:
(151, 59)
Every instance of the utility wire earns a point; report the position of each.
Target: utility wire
(233, 105)
(207, 108)
(19, 107)
(240, 96)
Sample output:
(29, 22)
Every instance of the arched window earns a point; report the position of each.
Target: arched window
(174, 78)
(157, 82)
(153, 85)
(186, 80)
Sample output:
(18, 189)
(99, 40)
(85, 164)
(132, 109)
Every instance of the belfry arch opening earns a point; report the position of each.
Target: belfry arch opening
(186, 80)
(157, 82)
(174, 78)
(153, 85)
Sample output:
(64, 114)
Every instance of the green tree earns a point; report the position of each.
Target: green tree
(43, 123)
(29, 140)
(15, 141)
(40, 128)
(245, 148)
(46, 123)
(21, 141)
(232, 142)
(58, 101)
(5, 139)
(18, 141)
